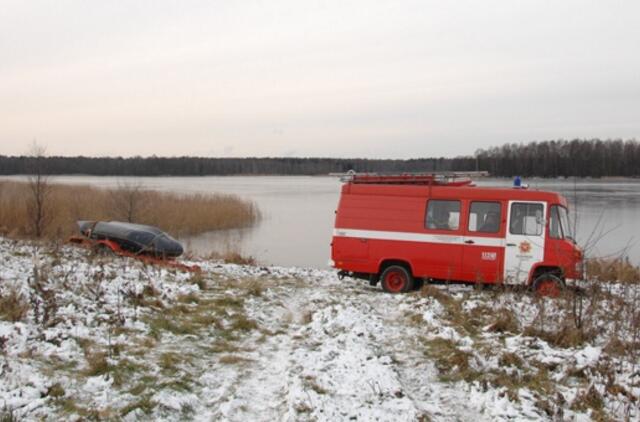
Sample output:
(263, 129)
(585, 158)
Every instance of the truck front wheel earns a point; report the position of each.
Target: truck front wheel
(548, 285)
(396, 279)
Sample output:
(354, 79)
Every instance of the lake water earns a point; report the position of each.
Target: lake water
(298, 213)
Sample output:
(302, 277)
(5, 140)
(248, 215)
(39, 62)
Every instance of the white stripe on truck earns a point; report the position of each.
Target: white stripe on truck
(419, 237)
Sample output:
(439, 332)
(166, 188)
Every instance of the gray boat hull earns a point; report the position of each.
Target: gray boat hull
(134, 238)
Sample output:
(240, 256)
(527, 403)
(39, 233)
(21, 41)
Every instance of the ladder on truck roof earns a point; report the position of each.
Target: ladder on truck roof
(444, 178)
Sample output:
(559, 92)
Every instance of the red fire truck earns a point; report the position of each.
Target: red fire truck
(399, 229)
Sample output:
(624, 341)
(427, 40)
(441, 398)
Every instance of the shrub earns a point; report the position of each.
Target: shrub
(13, 305)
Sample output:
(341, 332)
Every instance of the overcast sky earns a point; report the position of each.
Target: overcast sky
(378, 79)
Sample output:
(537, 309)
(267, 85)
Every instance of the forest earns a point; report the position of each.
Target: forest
(555, 158)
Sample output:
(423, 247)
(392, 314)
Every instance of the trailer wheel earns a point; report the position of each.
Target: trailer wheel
(396, 279)
(548, 285)
(103, 250)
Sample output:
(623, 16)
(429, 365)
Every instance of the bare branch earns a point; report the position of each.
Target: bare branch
(127, 200)
(40, 190)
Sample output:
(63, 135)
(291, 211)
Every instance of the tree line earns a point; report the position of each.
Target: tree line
(555, 158)
(579, 157)
(200, 166)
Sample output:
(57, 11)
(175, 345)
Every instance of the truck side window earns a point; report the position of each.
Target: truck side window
(526, 219)
(555, 231)
(443, 215)
(484, 217)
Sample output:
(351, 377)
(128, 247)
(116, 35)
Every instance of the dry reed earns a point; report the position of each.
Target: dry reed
(180, 215)
(618, 269)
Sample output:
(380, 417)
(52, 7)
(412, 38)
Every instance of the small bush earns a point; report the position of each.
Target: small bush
(97, 363)
(56, 391)
(590, 399)
(232, 257)
(504, 321)
(13, 305)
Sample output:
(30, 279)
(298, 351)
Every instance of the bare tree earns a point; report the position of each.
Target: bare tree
(128, 200)
(40, 189)
(2, 217)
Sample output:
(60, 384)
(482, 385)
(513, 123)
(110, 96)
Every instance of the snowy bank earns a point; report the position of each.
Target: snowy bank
(84, 337)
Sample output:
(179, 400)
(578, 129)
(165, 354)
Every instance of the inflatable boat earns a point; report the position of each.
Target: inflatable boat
(132, 238)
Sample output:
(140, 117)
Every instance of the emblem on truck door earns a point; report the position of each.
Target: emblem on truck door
(525, 247)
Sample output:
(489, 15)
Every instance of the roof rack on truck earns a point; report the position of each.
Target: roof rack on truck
(448, 178)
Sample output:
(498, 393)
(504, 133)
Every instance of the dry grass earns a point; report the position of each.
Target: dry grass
(452, 363)
(566, 335)
(13, 305)
(97, 363)
(511, 359)
(180, 215)
(589, 399)
(231, 256)
(612, 270)
(466, 322)
(231, 359)
(504, 321)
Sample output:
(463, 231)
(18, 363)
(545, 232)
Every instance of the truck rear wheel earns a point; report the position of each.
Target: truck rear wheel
(396, 279)
(548, 285)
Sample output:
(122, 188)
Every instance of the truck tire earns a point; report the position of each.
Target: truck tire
(396, 279)
(548, 285)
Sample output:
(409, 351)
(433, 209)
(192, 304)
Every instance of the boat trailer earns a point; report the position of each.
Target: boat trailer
(107, 247)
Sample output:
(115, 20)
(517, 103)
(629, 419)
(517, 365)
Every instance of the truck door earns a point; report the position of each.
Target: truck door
(524, 239)
(483, 256)
(441, 255)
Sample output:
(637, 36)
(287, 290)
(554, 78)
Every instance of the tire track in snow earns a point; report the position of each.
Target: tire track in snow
(327, 363)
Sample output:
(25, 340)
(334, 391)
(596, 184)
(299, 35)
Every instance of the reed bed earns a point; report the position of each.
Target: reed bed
(612, 269)
(179, 215)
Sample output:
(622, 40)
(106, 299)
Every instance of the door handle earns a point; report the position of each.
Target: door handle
(364, 240)
(469, 242)
(511, 244)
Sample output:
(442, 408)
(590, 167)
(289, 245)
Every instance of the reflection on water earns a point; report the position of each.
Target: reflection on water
(298, 214)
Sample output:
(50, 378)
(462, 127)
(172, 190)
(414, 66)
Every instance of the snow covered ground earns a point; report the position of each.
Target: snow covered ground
(84, 337)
